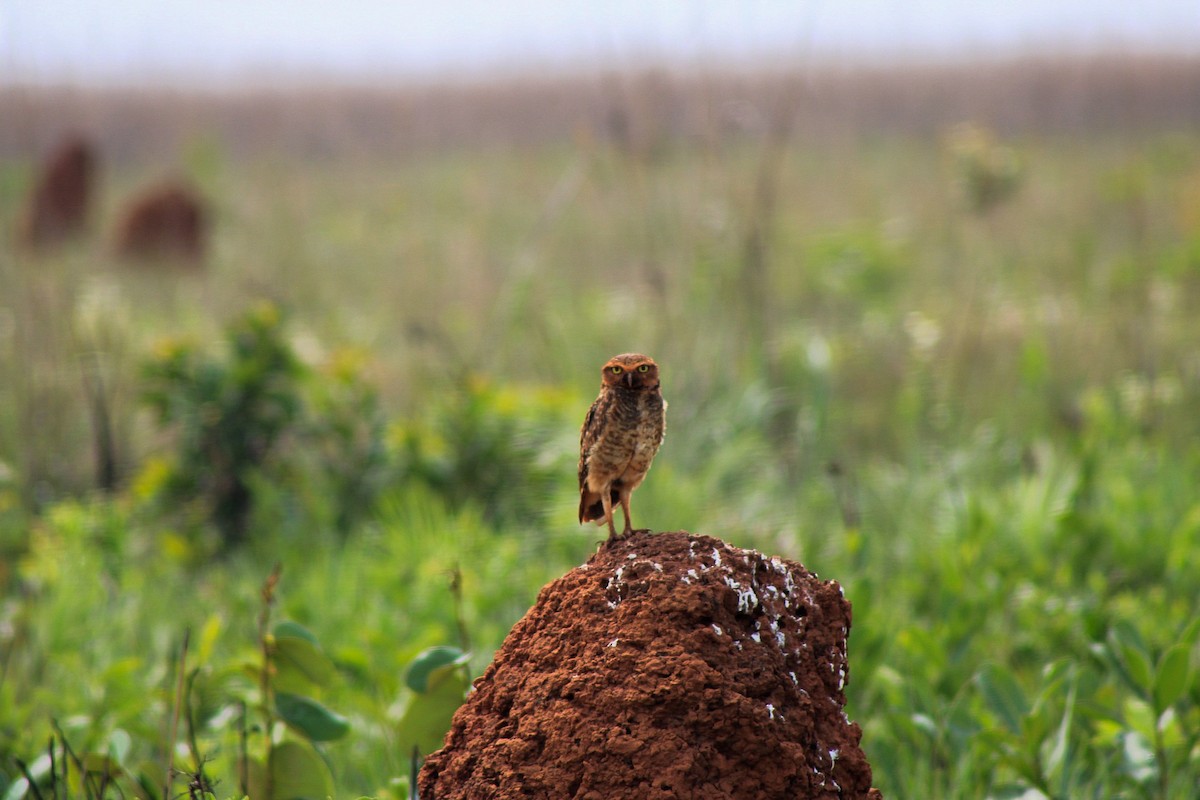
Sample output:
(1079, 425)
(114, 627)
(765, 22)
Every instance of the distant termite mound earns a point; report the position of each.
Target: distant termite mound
(60, 200)
(165, 222)
(669, 665)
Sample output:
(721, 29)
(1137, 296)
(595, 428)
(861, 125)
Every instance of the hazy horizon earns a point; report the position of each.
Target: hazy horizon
(191, 41)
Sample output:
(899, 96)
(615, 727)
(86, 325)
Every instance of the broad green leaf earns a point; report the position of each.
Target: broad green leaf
(426, 716)
(119, 744)
(449, 672)
(1126, 643)
(1191, 634)
(430, 662)
(923, 722)
(959, 725)
(213, 690)
(1137, 663)
(297, 657)
(1140, 717)
(297, 773)
(1168, 728)
(311, 718)
(145, 785)
(1126, 632)
(1003, 695)
(101, 764)
(1172, 679)
(294, 630)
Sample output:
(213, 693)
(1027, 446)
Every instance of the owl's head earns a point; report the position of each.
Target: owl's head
(631, 371)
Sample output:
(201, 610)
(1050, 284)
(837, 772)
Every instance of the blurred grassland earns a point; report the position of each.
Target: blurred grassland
(527, 260)
(981, 421)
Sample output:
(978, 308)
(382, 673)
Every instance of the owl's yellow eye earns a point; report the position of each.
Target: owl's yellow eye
(616, 370)
(644, 368)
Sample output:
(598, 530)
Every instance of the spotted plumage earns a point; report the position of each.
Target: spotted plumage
(622, 432)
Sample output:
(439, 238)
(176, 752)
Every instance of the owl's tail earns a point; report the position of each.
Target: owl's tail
(591, 507)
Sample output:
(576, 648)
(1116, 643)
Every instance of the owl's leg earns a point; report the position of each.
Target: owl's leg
(625, 493)
(606, 500)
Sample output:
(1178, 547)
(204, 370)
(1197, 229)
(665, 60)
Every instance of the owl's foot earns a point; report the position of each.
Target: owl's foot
(614, 537)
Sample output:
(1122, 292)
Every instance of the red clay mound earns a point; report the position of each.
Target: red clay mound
(166, 222)
(58, 204)
(668, 666)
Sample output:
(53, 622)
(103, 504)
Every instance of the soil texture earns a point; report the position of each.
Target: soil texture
(669, 665)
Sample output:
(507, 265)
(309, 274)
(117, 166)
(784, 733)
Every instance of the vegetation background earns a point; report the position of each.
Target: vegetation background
(930, 331)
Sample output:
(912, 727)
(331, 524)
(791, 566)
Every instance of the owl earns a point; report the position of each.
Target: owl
(621, 434)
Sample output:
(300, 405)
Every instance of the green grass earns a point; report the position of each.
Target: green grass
(983, 426)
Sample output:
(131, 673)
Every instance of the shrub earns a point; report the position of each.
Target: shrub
(229, 414)
(257, 423)
(988, 173)
(507, 450)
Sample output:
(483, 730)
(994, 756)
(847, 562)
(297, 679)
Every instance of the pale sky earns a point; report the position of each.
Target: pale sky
(161, 41)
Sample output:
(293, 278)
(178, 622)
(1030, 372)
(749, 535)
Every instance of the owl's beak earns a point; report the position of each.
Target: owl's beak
(629, 379)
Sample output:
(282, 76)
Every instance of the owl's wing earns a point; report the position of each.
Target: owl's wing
(587, 437)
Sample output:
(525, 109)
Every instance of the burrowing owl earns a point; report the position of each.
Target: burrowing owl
(620, 436)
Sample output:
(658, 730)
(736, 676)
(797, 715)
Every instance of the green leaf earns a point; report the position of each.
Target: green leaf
(40, 767)
(101, 764)
(398, 788)
(1058, 760)
(430, 663)
(119, 744)
(1138, 758)
(1191, 633)
(925, 724)
(213, 690)
(1109, 731)
(207, 639)
(311, 718)
(1172, 679)
(1140, 717)
(16, 790)
(146, 787)
(294, 630)
(297, 773)
(300, 657)
(1137, 663)
(426, 716)
(1003, 695)
(1170, 733)
(1132, 658)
